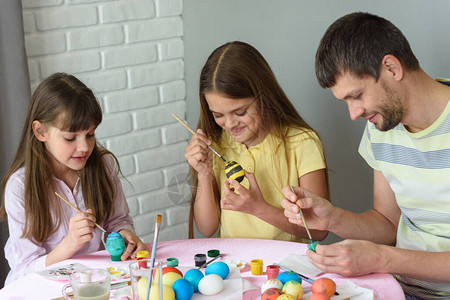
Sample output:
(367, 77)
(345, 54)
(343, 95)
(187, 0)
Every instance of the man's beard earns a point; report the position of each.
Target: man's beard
(391, 110)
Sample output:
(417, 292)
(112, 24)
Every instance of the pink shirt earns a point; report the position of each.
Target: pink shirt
(26, 256)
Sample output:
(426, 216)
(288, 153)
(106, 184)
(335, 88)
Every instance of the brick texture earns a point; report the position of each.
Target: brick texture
(130, 53)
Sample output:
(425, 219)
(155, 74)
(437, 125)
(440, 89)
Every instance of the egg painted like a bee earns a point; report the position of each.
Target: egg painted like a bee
(233, 170)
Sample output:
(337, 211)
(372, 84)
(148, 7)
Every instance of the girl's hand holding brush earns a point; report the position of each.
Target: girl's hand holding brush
(198, 154)
(81, 227)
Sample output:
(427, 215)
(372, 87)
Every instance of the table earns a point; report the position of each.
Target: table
(33, 286)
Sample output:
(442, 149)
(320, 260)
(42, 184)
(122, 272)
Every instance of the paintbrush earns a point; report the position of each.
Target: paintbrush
(303, 218)
(207, 263)
(152, 259)
(303, 277)
(193, 132)
(76, 208)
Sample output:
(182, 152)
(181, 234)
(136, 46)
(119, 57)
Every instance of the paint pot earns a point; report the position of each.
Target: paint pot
(141, 257)
(272, 271)
(172, 262)
(200, 259)
(257, 266)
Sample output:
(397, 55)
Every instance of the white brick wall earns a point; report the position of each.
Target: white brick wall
(130, 53)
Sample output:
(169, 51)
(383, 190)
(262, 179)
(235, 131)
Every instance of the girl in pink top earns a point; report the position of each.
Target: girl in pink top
(58, 152)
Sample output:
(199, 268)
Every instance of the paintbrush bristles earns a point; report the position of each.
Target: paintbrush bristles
(159, 219)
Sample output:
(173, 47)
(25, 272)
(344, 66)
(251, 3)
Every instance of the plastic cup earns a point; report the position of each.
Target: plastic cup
(90, 284)
(139, 273)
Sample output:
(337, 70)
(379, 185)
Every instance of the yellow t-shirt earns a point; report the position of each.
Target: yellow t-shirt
(275, 166)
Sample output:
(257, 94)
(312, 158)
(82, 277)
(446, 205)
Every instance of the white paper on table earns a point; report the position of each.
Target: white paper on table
(349, 289)
(300, 264)
(61, 272)
(232, 288)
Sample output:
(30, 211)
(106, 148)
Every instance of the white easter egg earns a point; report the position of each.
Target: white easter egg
(271, 283)
(211, 284)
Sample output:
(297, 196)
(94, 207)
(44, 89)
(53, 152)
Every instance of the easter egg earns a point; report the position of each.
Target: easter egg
(271, 283)
(323, 286)
(312, 245)
(271, 294)
(286, 297)
(287, 276)
(168, 292)
(170, 278)
(194, 276)
(115, 245)
(233, 170)
(171, 269)
(293, 288)
(211, 284)
(219, 268)
(183, 289)
(319, 297)
(170, 275)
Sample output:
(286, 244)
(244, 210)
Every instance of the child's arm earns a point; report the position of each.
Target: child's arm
(81, 227)
(251, 201)
(25, 255)
(206, 210)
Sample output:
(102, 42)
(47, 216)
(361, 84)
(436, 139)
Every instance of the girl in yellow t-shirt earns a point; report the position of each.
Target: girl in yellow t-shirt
(246, 117)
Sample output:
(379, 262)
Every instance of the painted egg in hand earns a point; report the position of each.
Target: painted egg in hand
(233, 170)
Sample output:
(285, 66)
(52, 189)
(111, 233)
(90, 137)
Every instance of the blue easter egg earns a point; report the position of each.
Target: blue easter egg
(183, 289)
(288, 276)
(115, 245)
(194, 276)
(219, 268)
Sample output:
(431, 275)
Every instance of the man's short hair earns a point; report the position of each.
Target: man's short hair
(357, 43)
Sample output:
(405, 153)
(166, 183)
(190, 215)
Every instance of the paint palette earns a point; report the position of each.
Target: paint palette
(118, 274)
(234, 263)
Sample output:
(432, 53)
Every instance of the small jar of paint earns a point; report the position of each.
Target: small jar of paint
(200, 259)
(141, 257)
(172, 262)
(272, 271)
(257, 266)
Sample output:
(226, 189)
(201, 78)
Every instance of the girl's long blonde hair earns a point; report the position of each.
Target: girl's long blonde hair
(59, 97)
(239, 71)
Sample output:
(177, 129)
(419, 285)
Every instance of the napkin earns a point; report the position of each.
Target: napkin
(232, 288)
(349, 289)
(300, 264)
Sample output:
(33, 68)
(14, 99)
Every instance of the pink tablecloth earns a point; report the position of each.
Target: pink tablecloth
(34, 286)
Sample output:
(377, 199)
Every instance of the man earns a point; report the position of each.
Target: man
(368, 63)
